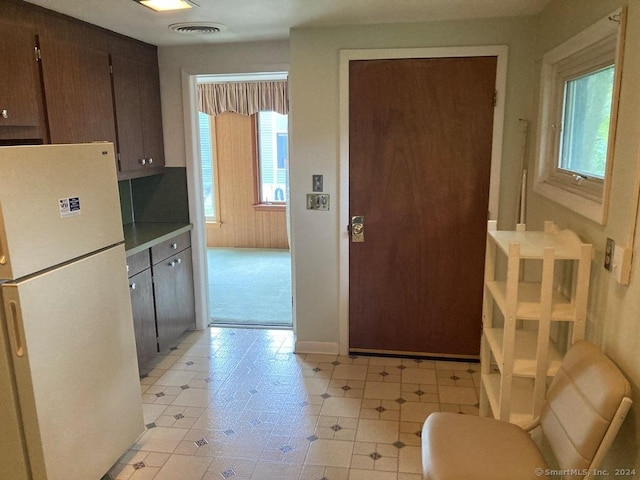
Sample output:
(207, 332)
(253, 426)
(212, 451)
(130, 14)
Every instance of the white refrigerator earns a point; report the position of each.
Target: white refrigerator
(70, 402)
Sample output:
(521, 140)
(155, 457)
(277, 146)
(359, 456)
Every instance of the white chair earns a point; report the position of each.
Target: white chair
(586, 404)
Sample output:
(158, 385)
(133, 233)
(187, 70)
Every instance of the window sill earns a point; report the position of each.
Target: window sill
(269, 207)
(591, 209)
(210, 224)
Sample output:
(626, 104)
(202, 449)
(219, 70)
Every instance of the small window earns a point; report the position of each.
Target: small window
(578, 111)
(586, 118)
(273, 153)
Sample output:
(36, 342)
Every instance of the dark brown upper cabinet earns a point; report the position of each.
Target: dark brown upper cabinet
(56, 86)
(136, 91)
(21, 108)
(77, 89)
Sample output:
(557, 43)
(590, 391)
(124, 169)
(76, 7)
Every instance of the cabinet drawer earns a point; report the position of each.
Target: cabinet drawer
(137, 263)
(170, 247)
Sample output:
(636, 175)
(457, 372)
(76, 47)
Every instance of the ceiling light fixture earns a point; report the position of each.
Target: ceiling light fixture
(166, 5)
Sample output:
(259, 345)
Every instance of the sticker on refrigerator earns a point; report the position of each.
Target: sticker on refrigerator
(69, 206)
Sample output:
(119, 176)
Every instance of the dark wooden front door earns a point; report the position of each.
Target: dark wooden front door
(420, 135)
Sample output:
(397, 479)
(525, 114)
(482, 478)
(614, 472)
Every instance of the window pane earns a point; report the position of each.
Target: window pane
(586, 116)
(273, 154)
(206, 163)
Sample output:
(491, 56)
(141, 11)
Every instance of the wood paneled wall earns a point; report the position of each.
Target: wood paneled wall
(242, 224)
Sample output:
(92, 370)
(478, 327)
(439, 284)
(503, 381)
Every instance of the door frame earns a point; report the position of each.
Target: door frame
(499, 51)
(194, 184)
(196, 205)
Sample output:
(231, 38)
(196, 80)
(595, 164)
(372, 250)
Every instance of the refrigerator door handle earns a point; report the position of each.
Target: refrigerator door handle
(14, 328)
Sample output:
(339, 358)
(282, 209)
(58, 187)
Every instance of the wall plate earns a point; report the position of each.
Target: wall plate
(318, 183)
(608, 254)
(317, 201)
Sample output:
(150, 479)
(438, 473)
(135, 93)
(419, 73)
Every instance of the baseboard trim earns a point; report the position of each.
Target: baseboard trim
(410, 354)
(327, 348)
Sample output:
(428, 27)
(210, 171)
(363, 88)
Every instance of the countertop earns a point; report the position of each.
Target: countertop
(141, 236)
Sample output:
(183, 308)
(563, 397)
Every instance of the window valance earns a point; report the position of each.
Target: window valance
(245, 98)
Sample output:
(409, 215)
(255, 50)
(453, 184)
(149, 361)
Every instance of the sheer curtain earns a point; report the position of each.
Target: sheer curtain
(245, 98)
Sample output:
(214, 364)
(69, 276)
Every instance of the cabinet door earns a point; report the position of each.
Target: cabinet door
(173, 288)
(77, 88)
(148, 76)
(128, 113)
(20, 95)
(144, 321)
(136, 91)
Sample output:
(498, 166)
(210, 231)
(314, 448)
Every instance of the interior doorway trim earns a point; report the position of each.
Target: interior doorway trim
(196, 205)
(499, 51)
(194, 180)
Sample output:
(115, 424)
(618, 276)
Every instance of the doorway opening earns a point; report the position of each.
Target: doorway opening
(249, 286)
(243, 166)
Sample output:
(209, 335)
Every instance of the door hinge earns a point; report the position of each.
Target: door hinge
(38, 54)
(495, 98)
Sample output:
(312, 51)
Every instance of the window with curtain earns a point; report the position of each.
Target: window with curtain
(273, 152)
(268, 101)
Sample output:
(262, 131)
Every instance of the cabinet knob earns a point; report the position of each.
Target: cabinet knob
(133, 286)
(174, 246)
(5, 113)
(150, 161)
(143, 161)
(175, 262)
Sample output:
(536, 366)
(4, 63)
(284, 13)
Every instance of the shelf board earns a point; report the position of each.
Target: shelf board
(529, 301)
(524, 362)
(532, 244)
(521, 411)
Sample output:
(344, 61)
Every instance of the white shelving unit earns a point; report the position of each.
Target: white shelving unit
(527, 357)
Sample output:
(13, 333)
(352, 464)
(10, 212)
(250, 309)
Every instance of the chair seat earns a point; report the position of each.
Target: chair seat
(466, 447)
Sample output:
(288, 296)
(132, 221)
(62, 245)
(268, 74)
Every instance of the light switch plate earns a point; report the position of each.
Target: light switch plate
(318, 183)
(317, 201)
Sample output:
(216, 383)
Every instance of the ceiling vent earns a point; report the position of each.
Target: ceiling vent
(197, 28)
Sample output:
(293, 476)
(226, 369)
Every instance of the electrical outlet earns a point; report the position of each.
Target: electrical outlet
(621, 264)
(608, 254)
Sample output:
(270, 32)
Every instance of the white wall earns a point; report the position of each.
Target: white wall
(201, 60)
(314, 84)
(614, 310)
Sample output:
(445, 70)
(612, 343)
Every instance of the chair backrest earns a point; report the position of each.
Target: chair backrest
(587, 402)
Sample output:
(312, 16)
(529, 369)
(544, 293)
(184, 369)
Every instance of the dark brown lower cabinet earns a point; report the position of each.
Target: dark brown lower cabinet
(161, 287)
(173, 289)
(144, 318)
